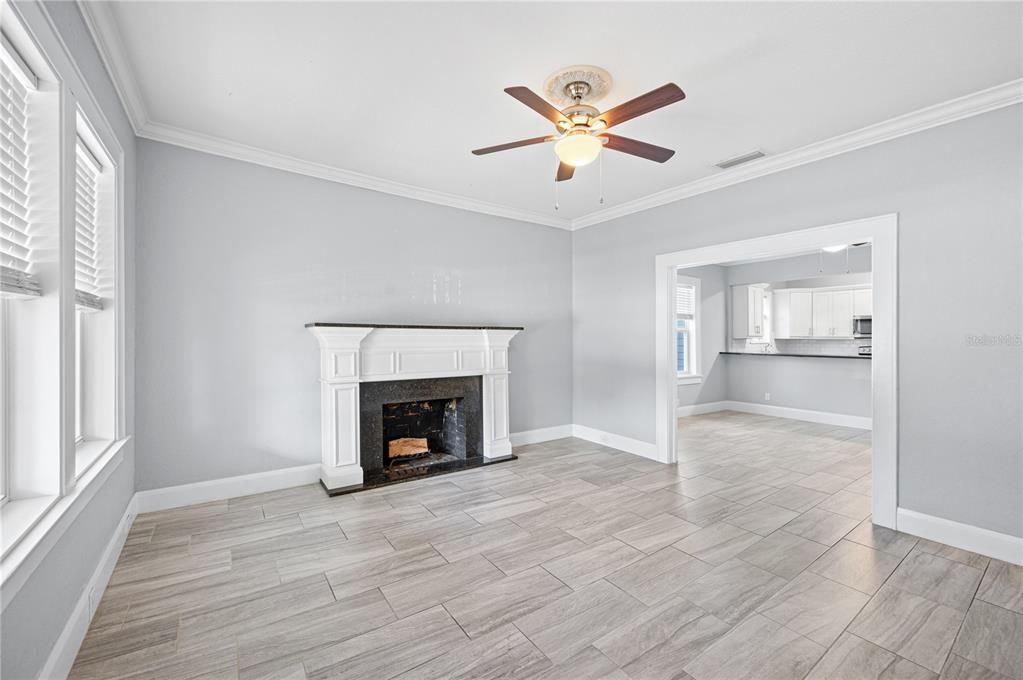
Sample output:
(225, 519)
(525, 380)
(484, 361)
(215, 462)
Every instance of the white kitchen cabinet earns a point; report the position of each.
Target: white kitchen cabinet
(748, 312)
(863, 302)
(822, 314)
(842, 314)
(801, 313)
(793, 313)
(780, 323)
(832, 314)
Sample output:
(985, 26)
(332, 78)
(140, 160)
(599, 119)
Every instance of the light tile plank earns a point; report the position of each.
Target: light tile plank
(440, 584)
(389, 650)
(502, 601)
(756, 648)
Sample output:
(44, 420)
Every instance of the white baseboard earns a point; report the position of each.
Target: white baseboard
(965, 536)
(545, 434)
(62, 656)
(228, 487)
(616, 441)
(700, 409)
(824, 417)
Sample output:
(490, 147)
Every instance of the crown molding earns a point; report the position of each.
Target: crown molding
(103, 27)
(222, 147)
(950, 111)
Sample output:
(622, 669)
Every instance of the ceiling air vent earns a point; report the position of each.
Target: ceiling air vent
(739, 160)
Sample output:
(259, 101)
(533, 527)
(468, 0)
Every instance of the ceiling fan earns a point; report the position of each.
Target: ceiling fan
(581, 128)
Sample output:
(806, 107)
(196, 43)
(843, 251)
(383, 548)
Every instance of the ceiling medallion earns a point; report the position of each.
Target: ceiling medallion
(557, 85)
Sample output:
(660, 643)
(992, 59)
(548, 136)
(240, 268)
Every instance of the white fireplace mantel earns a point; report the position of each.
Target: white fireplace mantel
(353, 353)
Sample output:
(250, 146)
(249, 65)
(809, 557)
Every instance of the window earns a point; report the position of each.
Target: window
(687, 293)
(18, 281)
(94, 238)
(87, 170)
(61, 370)
(682, 331)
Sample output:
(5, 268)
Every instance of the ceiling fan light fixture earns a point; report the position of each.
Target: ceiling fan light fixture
(578, 149)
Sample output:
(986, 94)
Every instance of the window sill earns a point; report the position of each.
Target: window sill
(19, 516)
(32, 526)
(87, 452)
(690, 379)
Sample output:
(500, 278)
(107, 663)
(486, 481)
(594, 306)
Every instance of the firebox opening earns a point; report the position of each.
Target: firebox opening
(422, 432)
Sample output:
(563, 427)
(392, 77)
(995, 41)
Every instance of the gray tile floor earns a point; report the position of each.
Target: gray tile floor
(754, 557)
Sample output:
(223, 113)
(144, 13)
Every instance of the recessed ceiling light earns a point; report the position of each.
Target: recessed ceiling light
(834, 249)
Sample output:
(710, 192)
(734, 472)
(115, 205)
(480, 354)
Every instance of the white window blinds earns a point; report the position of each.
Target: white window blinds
(685, 301)
(15, 183)
(87, 270)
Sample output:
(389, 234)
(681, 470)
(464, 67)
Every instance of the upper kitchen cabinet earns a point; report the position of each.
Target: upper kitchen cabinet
(793, 313)
(817, 312)
(863, 302)
(748, 312)
(833, 314)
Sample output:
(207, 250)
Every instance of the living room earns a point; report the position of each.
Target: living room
(304, 377)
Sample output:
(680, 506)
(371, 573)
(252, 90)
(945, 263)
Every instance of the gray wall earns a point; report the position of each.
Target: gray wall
(816, 384)
(711, 327)
(36, 616)
(957, 189)
(234, 258)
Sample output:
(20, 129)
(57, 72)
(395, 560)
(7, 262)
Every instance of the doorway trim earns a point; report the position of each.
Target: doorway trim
(882, 233)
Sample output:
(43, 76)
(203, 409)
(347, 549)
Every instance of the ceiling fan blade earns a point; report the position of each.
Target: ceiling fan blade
(645, 103)
(634, 147)
(536, 102)
(565, 171)
(512, 145)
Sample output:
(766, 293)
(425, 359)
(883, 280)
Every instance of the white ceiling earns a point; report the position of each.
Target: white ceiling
(402, 92)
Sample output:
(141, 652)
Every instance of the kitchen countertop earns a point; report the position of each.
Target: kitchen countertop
(791, 354)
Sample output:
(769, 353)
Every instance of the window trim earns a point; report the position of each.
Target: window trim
(693, 376)
(79, 436)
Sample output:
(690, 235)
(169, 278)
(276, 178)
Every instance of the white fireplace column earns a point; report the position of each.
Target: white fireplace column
(351, 354)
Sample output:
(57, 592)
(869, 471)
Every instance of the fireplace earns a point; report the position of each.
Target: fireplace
(365, 367)
(443, 413)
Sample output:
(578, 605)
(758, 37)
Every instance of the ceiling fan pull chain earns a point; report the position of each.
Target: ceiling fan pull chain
(556, 205)
(600, 174)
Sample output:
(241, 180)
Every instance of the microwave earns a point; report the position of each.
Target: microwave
(861, 326)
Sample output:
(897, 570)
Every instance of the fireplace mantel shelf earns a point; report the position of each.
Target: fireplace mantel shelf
(332, 324)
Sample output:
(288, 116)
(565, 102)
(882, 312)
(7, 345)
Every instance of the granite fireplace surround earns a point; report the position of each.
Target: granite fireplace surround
(390, 401)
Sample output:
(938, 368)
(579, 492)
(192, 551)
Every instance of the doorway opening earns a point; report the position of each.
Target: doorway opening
(822, 303)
